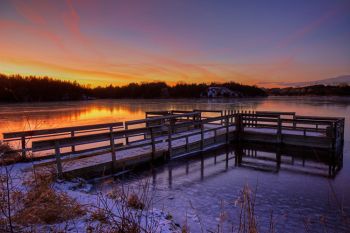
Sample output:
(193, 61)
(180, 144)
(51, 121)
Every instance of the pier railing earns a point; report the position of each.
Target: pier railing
(25, 138)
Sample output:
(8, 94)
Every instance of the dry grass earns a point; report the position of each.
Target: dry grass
(124, 210)
(8, 155)
(247, 216)
(42, 204)
(135, 202)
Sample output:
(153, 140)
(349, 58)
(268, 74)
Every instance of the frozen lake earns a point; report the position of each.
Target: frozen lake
(198, 189)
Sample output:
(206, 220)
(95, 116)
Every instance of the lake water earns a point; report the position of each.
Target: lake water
(303, 192)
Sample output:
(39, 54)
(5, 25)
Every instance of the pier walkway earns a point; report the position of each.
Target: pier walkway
(104, 148)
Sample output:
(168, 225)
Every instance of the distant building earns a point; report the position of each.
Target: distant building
(217, 92)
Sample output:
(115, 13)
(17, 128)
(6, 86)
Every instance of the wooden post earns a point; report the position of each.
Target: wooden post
(227, 130)
(221, 114)
(23, 144)
(153, 144)
(72, 135)
(249, 119)
(112, 150)
(202, 137)
(342, 131)
(334, 135)
(187, 145)
(244, 118)
(194, 121)
(294, 122)
(126, 137)
(278, 158)
(238, 125)
(256, 119)
(279, 130)
(215, 135)
(169, 141)
(58, 159)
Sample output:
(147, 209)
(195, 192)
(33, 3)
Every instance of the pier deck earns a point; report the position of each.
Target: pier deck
(105, 148)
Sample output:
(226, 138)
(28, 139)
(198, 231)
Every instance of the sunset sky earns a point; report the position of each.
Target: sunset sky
(117, 42)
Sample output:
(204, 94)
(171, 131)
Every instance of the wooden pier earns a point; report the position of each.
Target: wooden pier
(104, 148)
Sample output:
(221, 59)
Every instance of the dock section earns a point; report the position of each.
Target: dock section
(163, 135)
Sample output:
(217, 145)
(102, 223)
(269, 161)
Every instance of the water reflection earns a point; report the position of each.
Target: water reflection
(261, 157)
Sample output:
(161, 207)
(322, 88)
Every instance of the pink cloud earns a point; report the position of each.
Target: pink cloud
(312, 26)
(28, 12)
(54, 38)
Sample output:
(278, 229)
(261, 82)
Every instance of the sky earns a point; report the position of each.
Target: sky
(102, 42)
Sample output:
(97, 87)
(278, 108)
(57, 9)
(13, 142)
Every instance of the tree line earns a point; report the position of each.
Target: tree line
(315, 90)
(17, 88)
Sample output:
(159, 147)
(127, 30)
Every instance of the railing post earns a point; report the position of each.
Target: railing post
(187, 145)
(194, 121)
(221, 114)
(153, 144)
(249, 119)
(239, 127)
(58, 159)
(255, 120)
(169, 141)
(227, 130)
(294, 122)
(342, 130)
(202, 136)
(23, 144)
(215, 135)
(72, 135)
(334, 135)
(279, 130)
(112, 150)
(126, 137)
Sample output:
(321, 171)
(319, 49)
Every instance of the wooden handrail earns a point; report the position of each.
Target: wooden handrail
(30, 133)
(275, 113)
(134, 122)
(91, 138)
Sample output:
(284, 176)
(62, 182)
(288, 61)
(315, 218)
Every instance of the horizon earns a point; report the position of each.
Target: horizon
(123, 42)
